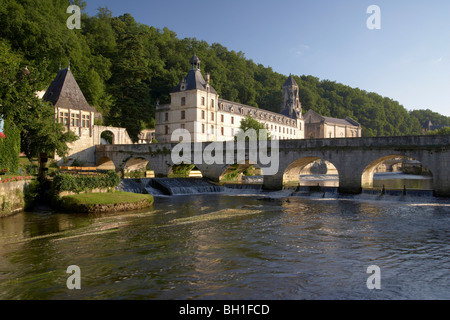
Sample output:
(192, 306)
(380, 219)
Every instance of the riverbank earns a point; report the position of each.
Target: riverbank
(217, 246)
(12, 196)
(104, 202)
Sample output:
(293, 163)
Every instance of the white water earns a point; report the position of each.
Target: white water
(190, 186)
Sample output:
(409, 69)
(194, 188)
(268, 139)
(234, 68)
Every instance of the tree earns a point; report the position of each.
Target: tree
(249, 123)
(442, 131)
(124, 67)
(34, 118)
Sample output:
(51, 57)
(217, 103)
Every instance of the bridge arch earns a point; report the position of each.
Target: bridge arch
(185, 170)
(106, 163)
(293, 172)
(414, 166)
(236, 172)
(353, 158)
(107, 137)
(138, 165)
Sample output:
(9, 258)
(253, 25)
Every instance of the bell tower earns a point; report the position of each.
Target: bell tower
(291, 106)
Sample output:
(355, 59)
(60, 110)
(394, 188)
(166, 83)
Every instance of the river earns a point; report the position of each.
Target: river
(233, 246)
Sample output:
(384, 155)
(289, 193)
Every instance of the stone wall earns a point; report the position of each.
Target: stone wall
(355, 159)
(12, 197)
(83, 149)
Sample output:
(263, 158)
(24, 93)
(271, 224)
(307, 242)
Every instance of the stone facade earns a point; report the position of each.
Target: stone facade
(74, 112)
(355, 160)
(11, 197)
(319, 127)
(196, 107)
(146, 136)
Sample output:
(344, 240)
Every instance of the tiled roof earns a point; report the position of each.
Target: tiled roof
(64, 92)
(193, 81)
(256, 113)
(290, 81)
(345, 122)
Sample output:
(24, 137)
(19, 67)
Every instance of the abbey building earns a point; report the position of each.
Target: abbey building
(75, 113)
(196, 106)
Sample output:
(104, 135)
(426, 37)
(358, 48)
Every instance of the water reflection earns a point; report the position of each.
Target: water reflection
(228, 247)
(388, 180)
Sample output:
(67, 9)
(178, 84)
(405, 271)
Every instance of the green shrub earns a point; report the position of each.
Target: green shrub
(136, 174)
(231, 176)
(83, 183)
(10, 148)
(77, 163)
(31, 194)
(182, 169)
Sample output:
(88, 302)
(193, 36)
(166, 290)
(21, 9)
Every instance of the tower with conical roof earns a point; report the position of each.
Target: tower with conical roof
(74, 112)
(291, 106)
(64, 93)
(193, 107)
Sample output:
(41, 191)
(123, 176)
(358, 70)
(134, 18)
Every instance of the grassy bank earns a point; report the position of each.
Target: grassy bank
(105, 202)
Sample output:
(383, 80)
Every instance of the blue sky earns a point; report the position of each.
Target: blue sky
(407, 60)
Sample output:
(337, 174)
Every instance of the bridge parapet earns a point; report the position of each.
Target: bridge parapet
(354, 158)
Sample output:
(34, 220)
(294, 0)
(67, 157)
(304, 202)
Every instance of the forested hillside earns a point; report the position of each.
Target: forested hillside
(124, 67)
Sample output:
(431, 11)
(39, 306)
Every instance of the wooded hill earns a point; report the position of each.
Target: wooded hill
(124, 67)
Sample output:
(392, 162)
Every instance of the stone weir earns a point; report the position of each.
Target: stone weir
(169, 187)
(183, 186)
(165, 187)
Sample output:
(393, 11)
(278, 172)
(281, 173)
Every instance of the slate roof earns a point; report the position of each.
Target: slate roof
(256, 113)
(194, 81)
(345, 122)
(290, 81)
(64, 92)
(431, 127)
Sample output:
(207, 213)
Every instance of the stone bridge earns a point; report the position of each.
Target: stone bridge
(355, 158)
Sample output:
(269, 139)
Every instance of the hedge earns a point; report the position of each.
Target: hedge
(82, 183)
(10, 148)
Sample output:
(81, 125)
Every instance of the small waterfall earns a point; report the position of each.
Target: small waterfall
(183, 186)
(153, 191)
(132, 185)
(243, 188)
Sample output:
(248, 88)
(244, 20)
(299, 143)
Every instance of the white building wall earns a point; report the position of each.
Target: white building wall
(207, 122)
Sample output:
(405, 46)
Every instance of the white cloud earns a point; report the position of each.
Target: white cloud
(298, 51)
(438, 60)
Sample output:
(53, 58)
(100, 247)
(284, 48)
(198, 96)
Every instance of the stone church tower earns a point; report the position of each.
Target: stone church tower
(291, 106)
(193, 107)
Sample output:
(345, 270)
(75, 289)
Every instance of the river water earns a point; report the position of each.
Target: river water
(233, 246)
